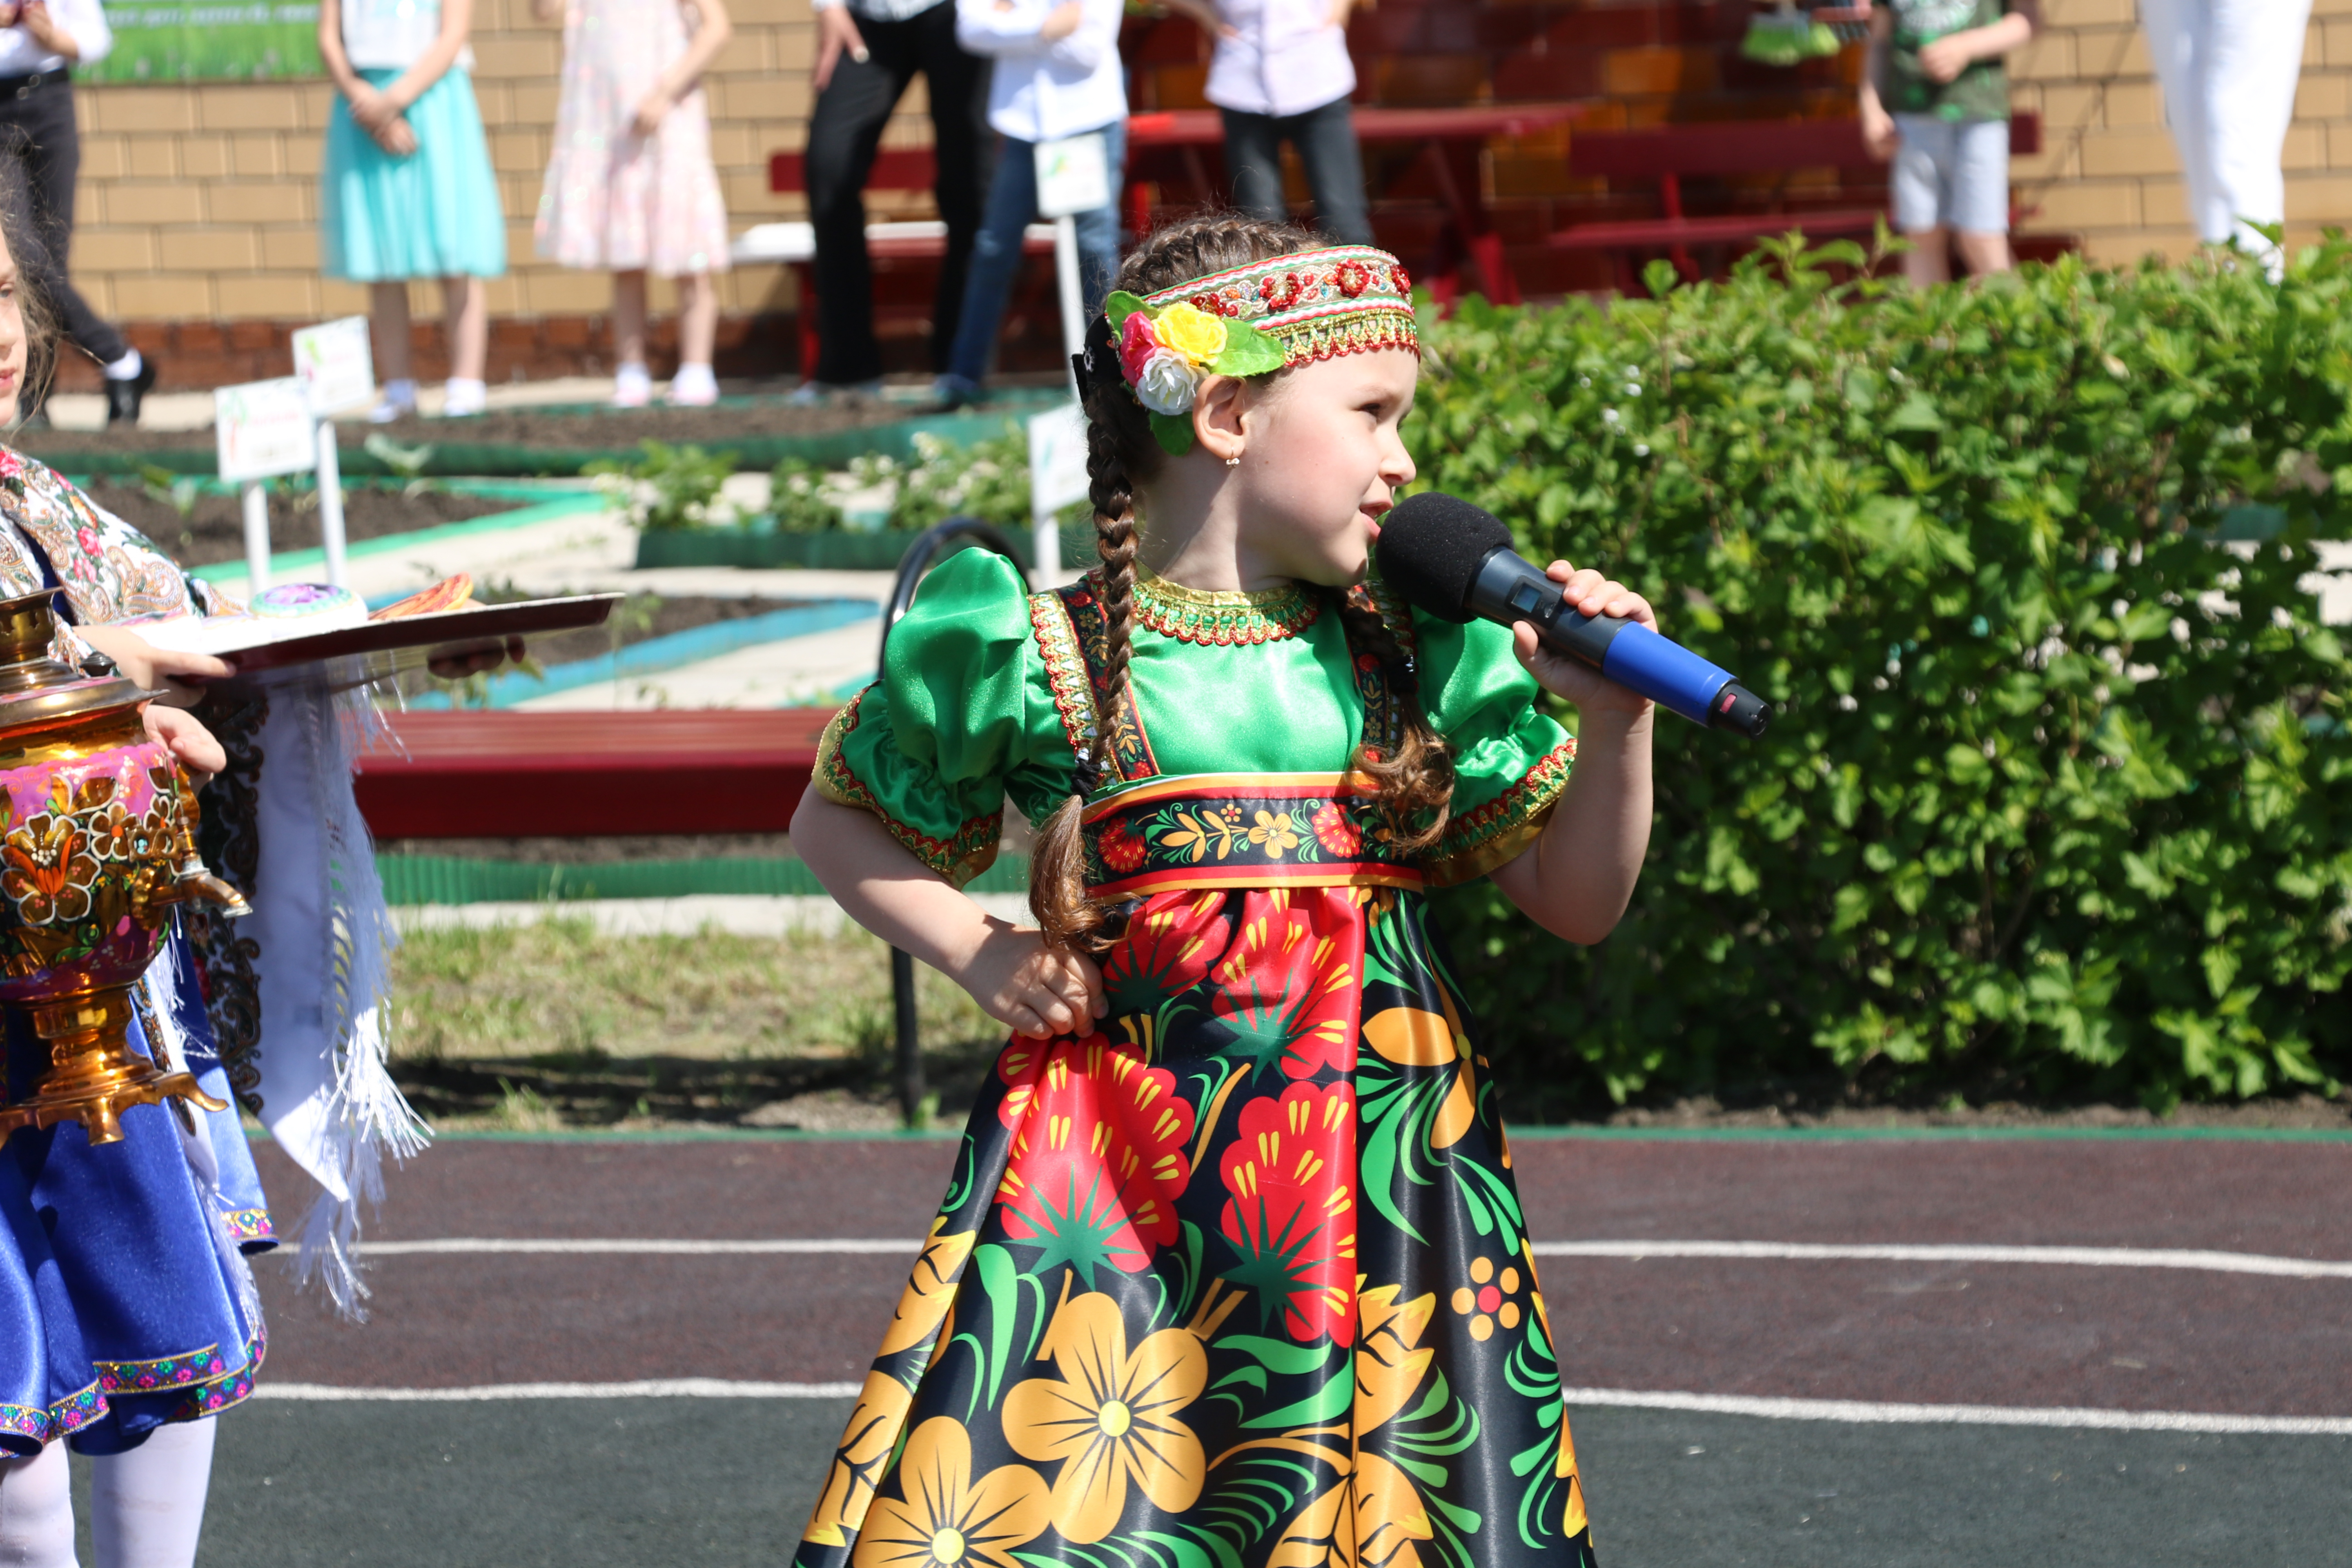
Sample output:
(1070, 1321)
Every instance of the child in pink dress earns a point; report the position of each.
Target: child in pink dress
(631, 188)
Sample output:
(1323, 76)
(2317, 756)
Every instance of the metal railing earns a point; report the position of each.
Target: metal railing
(911, 567)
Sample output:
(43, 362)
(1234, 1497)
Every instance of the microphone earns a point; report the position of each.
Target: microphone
(1456, 561)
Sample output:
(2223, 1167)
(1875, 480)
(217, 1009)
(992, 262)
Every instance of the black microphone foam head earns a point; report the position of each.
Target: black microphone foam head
(1429, 550)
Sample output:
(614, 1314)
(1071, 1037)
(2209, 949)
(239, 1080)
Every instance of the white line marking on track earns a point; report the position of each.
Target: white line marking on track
(1849, 1411)
(1867, 1412)
(649, 1388)
(1796, 1251)
(2082, 1257)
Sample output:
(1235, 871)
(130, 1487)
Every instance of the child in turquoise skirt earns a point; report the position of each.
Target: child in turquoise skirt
(406, 190)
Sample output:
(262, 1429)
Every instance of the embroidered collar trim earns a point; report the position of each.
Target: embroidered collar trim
(1225, 619)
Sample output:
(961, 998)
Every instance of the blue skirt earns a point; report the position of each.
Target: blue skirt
(434, 214)
(124, 1287)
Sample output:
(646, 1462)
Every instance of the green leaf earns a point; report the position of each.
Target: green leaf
(1173, 432)
(1247, 351)
(1278, 1356)
(1119, 305)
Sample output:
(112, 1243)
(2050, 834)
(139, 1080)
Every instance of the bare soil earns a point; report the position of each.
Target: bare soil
(213, 528)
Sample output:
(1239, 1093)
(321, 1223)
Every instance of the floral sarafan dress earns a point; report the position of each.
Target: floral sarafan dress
(1239, 1277)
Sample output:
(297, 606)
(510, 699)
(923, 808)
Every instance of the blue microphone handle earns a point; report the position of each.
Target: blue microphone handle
(1509, 589)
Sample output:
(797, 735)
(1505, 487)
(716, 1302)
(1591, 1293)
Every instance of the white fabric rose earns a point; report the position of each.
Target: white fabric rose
(1168, 383)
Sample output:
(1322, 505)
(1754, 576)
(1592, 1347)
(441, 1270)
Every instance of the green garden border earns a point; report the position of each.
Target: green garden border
(485, 460)
(572, 503)
(414, 881)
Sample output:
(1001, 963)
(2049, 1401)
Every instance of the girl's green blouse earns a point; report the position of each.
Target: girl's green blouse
(964, 714)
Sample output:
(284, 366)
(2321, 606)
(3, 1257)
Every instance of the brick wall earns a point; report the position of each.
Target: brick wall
(199, 204)
(197, 224)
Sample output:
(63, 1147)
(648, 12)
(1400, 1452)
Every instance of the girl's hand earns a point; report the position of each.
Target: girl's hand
(373, 109)
(179, 676)
(457, 666)
(1033, 989)
(188, 741)
(1062, 21)
(35, 18)
(1588, 593)
(1948, 57)
(398, 137)
(652, 109)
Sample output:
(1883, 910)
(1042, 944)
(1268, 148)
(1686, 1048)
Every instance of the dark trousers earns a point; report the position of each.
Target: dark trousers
(1325, 140)
(843, 130)
(37, 134)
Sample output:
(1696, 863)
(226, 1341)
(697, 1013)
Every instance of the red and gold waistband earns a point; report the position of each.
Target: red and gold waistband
(1242, 830)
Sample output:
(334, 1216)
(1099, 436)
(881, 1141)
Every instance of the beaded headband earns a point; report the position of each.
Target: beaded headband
(1284, 311)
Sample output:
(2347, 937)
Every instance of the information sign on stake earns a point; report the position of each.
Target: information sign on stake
(1073, 177)
(1058, 478)
(333, 361)
(262, 429)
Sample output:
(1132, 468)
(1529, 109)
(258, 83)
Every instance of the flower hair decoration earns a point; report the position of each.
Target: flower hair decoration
(1250, 321)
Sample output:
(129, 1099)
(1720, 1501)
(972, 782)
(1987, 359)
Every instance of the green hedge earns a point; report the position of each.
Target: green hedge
(2059, 797)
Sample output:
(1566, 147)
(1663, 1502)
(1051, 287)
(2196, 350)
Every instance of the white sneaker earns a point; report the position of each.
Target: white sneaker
(399, 402)
(461, 398)
(632, 387)
(693, 386)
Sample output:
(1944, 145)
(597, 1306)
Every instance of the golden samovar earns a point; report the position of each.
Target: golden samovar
(97, 842)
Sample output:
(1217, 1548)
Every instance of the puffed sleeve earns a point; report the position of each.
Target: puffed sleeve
(1511, 759)
(963, 713)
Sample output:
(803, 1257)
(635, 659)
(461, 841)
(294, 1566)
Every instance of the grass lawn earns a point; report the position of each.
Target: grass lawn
(551, 1024)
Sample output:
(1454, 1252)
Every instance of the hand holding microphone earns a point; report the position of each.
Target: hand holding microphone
(1455, 561)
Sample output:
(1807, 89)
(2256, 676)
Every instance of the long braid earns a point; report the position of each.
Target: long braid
(1413, 767)
(1057, 888)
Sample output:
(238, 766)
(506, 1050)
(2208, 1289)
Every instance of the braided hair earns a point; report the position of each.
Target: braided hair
(1415, 777)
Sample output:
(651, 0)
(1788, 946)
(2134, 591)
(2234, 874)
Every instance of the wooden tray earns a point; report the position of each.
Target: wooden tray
(382, 647)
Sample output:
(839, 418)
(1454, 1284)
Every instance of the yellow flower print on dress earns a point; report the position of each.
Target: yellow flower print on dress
(1414, 1036)
(1277, 832)
(1110, 1418)
(949, 1519)
(1490, 1298)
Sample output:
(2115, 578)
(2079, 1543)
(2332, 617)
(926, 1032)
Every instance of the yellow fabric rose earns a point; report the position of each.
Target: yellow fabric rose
(1192, 331)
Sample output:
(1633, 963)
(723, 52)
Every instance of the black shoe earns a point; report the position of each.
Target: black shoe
(123, 397)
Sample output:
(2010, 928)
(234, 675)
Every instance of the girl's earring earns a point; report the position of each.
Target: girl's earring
(1235, 461)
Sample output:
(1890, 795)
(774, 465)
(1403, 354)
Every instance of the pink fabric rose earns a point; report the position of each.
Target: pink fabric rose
(1136, 343)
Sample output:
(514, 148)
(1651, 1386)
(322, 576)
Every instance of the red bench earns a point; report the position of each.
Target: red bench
(1667, 153)
(497, 773)
(921, 242)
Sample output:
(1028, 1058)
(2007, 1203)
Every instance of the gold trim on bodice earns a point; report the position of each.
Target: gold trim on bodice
(1224, 617)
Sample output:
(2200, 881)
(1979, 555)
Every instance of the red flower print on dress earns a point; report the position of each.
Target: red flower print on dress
(1292, 1217)
(1287, 989)
(1122, 849)
(87, 537)
(1336, 831)
(1098, 1158)
(1171, 943)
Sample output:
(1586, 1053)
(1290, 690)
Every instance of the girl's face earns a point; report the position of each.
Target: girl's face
(1321, 461)
(11, 337)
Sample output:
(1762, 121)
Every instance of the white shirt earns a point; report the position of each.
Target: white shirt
(1286, 58)
(879, 10)
(389, 35)
(1040, 91)
(84, 23)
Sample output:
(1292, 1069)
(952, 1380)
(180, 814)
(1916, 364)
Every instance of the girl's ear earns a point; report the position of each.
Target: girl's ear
(1217, 410)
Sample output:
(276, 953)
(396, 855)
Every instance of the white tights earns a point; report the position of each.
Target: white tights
(147, 1505)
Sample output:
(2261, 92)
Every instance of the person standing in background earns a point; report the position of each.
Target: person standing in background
(631, 187)
(406, 189)
(1057, 74)
(867, 53)
(1935, 99)
(39, 46)
(2229, 68)
(1281, 73)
